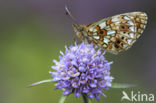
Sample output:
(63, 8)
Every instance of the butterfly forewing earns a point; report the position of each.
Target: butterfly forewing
(117, 33)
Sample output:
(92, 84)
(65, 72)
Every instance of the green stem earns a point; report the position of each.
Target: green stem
(85, 98)
(62, 99)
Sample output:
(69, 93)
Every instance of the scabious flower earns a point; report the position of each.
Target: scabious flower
(82, 70)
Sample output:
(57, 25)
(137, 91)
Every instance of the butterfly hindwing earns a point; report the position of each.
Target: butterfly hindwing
(117, 33)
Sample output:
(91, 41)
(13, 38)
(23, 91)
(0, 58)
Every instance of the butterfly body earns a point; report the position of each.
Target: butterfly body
(114, 34)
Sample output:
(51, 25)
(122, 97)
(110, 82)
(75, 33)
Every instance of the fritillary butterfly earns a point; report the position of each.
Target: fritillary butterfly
(114, 34)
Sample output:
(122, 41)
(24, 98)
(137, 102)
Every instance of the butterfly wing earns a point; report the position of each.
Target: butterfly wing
(119, 32)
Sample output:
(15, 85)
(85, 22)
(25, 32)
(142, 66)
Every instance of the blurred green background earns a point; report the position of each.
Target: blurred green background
(32, 32)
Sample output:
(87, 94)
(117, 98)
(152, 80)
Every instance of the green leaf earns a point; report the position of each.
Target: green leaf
(62, 99)
(122, 85)
(40, 82)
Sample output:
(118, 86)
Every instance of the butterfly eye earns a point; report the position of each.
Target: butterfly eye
(79, 29)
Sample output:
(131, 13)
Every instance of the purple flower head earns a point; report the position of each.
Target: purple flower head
(82, 70)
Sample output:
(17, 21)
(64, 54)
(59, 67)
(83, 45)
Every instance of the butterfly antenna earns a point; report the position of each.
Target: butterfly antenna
(70, 16)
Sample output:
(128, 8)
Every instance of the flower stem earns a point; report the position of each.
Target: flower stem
(62, 99)
(85, 98)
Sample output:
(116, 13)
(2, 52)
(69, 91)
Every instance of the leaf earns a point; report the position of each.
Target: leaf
(62, 99)
(40, 82)
(122, 85)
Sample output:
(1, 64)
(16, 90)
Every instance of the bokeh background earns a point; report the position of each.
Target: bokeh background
(32, 32)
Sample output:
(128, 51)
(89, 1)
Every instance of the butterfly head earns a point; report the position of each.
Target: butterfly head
(79, 30)
(82, 33)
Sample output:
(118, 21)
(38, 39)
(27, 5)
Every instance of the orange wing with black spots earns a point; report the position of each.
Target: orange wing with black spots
(116, 33)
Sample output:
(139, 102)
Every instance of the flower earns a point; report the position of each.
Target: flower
(82, 70)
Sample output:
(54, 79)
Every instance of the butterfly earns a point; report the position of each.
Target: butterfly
(113, 34)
